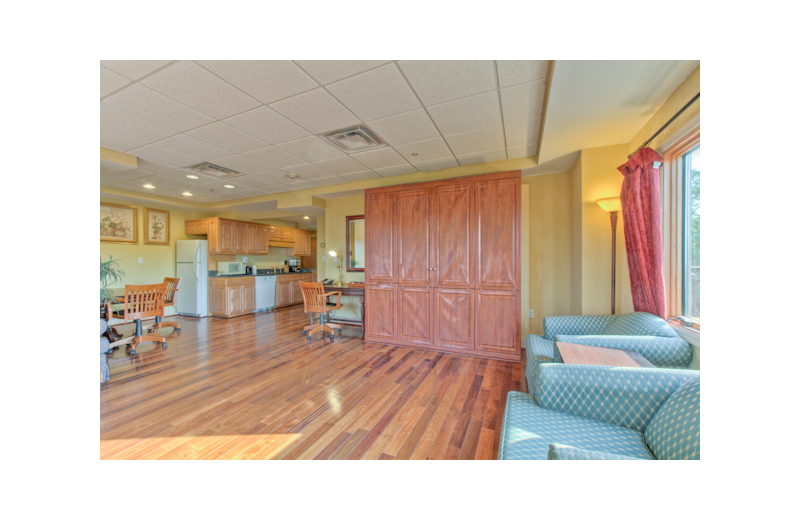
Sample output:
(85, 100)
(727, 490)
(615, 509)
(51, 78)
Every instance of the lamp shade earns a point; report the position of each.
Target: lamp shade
(332, 253)
(610, 204)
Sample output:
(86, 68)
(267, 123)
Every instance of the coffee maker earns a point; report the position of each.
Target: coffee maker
(294, 265)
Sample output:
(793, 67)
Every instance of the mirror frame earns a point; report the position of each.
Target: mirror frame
(347, 242)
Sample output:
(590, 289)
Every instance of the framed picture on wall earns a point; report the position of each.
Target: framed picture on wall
(119, 223)
(156, 223)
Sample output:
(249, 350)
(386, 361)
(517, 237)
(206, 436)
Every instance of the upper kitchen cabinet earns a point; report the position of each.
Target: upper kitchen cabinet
(497, 234)
(380, 226)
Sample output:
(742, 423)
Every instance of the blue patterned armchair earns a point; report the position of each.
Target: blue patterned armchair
(604, 413)
(642, 332)
(104, 347)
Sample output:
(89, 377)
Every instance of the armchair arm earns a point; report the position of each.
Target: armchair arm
(576, 325)
(338, 296)
(627, 397)
(561, 452)
(662, 352)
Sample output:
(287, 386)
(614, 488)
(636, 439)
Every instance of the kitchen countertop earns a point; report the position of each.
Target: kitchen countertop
(261, 272)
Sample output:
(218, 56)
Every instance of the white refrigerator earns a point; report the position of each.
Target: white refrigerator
(191, 257)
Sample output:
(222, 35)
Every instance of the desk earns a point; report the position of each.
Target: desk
(350, 290)
(573, 354)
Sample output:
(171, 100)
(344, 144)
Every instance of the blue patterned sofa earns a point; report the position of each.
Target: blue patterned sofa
(604, 413)
(104, 347)
(643, 332)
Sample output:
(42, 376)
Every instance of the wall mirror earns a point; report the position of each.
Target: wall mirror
(355, 243)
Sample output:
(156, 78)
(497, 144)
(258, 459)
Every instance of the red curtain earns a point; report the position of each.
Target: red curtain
(641, 215)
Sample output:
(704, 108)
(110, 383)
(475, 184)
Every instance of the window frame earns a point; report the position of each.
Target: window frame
(673, 192)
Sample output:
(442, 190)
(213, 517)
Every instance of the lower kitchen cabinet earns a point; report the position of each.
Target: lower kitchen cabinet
(229, 297)
(288, 291)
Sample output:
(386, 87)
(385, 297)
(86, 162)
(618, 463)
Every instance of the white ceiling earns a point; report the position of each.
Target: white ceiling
(261, 118)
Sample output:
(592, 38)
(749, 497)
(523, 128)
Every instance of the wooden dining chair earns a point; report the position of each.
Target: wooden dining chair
(315, 299)
(138, 303)
(169, 300)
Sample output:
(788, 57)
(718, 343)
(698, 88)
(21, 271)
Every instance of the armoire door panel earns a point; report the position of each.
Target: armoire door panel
(454, 318)
(381, 304)
(454, 236)
(497, 214)
(414, 313)
(497, 321)
(414, 237)
(380, 224)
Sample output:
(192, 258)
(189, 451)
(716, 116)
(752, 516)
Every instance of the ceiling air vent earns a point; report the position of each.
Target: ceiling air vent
(213, 170)
(354, 139)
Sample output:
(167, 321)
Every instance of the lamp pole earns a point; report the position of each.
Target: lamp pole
(613, 215)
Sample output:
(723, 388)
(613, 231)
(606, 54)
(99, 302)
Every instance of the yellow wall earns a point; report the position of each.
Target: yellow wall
(335, 234)
(575, 234)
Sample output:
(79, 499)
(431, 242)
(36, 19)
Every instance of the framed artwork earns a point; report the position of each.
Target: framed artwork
(119, 223)
(156, 223)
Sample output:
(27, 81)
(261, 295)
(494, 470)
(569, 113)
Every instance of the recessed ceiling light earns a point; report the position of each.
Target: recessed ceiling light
(229, 186)
(148, 186)
(187, 193)
(306, 217)
(192, 177)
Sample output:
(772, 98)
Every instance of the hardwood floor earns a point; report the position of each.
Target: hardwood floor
(254, 388)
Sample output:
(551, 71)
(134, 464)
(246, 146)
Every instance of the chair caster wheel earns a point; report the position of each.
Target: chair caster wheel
(331, 336)
(177, 330)
(305, 332)
(164, 345)
(308, 338)
(150, 330)
(133, 352)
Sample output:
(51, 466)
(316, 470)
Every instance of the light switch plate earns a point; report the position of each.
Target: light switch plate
(141, 260)
(530, 313)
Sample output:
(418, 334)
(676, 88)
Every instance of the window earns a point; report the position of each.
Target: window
(691, 233)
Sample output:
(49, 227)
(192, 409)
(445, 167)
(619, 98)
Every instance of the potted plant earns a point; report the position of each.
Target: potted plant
(110, 273)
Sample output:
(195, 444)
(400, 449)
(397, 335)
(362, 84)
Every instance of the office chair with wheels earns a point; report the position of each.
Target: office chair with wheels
(315, 300)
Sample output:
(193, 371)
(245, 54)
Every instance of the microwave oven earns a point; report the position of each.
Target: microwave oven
(230, 268)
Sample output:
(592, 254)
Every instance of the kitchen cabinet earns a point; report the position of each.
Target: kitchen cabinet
(288, 291)
(227, 237)
(235, 237)
(230, 297)
(302, 243)
(196, 227)
(241, 232)
(443, 265)
(262, 247)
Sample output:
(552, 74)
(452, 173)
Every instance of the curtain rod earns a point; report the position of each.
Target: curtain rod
(681, 111)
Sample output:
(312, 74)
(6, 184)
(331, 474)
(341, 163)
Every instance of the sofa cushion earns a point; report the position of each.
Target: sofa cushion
(559, 452)
(528, 431)
(674, 432)
(576, 325)
(640, 324)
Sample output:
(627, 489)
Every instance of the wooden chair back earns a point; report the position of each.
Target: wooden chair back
(172, 288)
(144, 301)
(313, 297)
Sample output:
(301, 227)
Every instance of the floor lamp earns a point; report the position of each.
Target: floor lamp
(613, 206)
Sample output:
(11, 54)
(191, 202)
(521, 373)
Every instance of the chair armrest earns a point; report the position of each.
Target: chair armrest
(561, 452)
(338, 296)
(662, 352)
(576, 325)
(627, 397)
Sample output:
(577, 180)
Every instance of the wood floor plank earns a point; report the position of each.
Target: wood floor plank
(254, 388)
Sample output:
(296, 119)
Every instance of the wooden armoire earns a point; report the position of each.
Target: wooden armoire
(443, 265)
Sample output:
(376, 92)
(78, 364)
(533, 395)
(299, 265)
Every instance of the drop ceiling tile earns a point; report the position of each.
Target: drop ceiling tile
(123, 123)
(110, 179)
(161, 180)
(405, 128)
(514, 72)
(517, 152)
(118, 142)
(138, 185)
(393, 171)
(521, 134)
(468, 114)
(381, 158)
(316, 111)
(267, 125)
(196, 197)
(192, 85)
(152, 167)
(522, 102)
(480, 158)
(477, 141)
(191, 147)
(297, 186)
(341, 165)
(327, 181)
(273, 157)
(181, 175)
(376, 94)
(107, 166)
(241, 164)
(134, 174)
(435, 166)
(265, 80)
(218, 188)
(426, 150)
(111, 82)
(160, 155)
(308, 172)
(226, 137)
(439, 81)
(328, 71)
(143, 102)
(276, 177)
(133, 69)
(311, 149)
(360, 176)
(258, 181)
